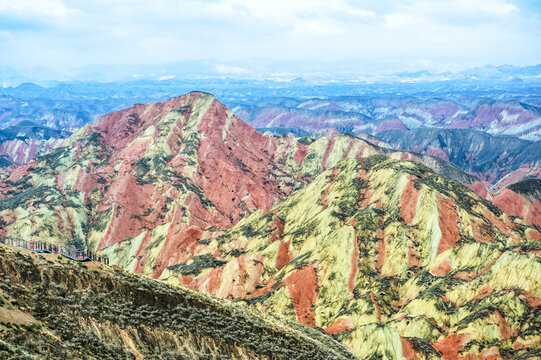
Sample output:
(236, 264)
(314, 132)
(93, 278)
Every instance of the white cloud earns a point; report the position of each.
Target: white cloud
(494, 7)
(52, 8)
(398, 20)
(230, 69)
(78, 32)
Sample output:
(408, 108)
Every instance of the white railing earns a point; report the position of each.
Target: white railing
(61, 249)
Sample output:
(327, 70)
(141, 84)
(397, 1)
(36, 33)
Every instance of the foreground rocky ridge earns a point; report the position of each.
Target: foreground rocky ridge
(55, 309)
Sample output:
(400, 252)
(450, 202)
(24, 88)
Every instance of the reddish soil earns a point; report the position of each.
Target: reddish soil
(408, 351)
(284, 256)
(514, 204)
(302, 286)
(376, 305)
(339, 326)
(532, 300)
(328, 150)
(300, 154)
(263, 290)
(490, 354)
(448, 222)
(408, 201)
(506, 332)
(480, 189)
(449, 346)
(497, 222)
(442, 269)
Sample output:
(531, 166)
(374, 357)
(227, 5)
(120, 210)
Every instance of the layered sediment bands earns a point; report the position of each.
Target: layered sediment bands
(390, 258)
(373, 115)
(147, 184)
(22, 142)
(61, 310)
(523, 201)
(388, 255)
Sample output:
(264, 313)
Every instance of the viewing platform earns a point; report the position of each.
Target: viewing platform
(60, 249)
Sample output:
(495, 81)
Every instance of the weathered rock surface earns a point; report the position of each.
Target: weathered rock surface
(523, 201)
(56, 309)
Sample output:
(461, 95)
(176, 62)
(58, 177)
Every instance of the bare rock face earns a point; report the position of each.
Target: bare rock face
(389, 256)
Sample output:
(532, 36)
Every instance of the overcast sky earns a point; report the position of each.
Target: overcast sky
(433, 34)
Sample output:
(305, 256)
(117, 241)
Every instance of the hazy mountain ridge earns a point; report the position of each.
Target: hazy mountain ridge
(491, 158)
(373, 115)
(281, 105)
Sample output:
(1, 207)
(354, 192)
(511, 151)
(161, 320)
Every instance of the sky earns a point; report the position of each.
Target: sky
(238, 36)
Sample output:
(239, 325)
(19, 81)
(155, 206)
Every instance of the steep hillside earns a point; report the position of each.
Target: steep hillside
(151, 175)
(522, 200)
(53, 309)
(491, 158)
(153, 180)
(390, 258)
(385, 254)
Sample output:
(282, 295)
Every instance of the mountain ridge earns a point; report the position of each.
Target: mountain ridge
(187, 192)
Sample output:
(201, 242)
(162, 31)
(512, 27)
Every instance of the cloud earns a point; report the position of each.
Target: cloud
(48, 8)
(72, 33)
(230, 69)
(499, 8)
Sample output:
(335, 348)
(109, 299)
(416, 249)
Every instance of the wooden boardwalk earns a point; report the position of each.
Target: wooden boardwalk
(61, 249)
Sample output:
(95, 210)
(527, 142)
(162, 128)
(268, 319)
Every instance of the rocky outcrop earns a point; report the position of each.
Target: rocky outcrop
(523, 201)
(55, 309)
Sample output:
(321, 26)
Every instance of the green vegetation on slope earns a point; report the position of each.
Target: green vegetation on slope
(60, 310)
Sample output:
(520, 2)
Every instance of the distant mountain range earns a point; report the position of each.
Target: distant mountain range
(374, 114)
(300, 71)
(390, 252)
(493, 159)
(22, 142)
